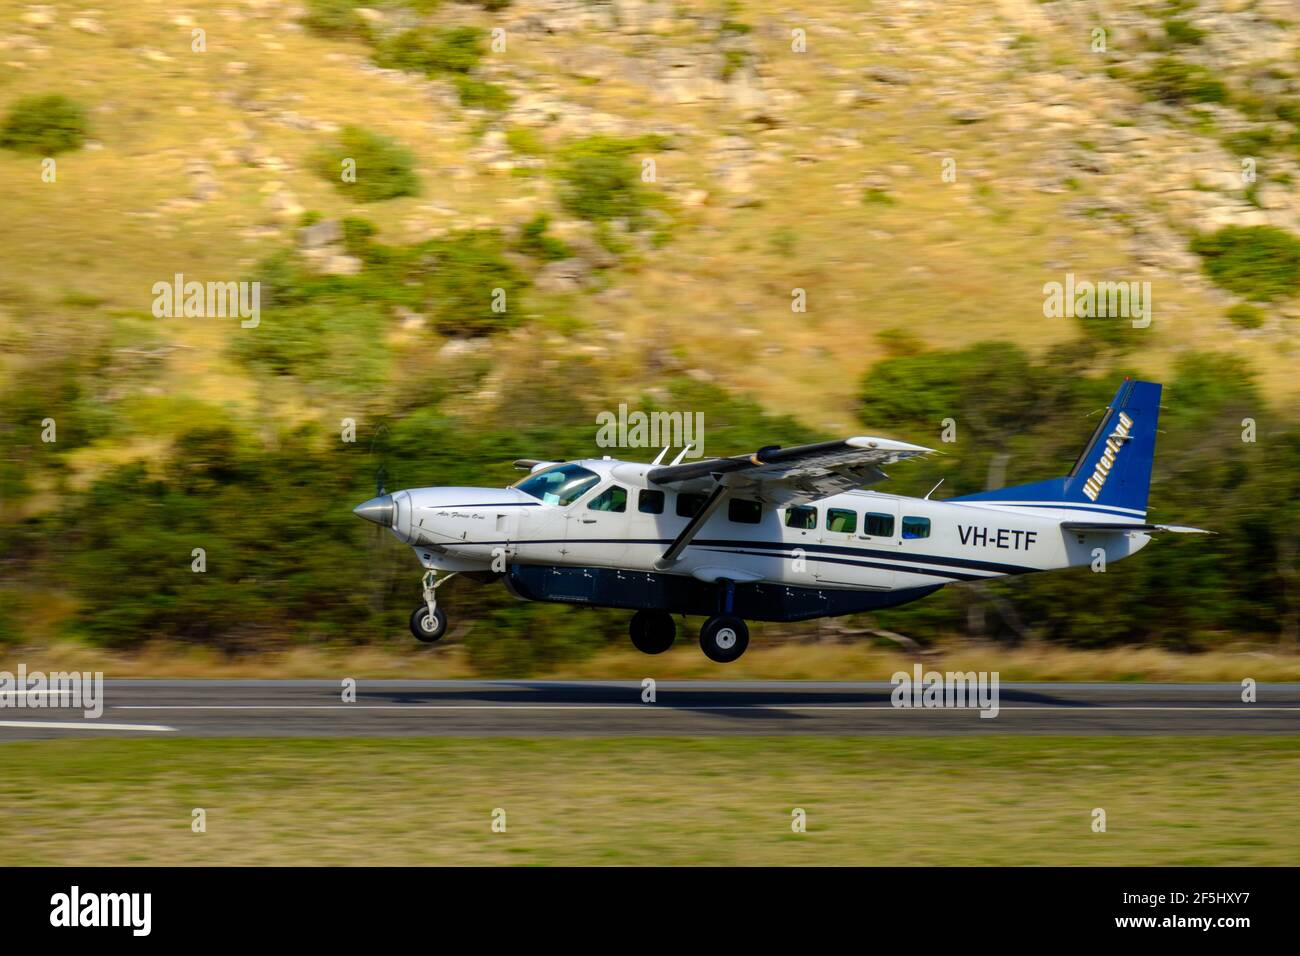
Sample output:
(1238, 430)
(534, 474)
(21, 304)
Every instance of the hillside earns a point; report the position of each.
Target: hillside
(650, 184)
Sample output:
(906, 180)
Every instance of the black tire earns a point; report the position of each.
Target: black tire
(723, 638)
(423, 629)
(653, 632)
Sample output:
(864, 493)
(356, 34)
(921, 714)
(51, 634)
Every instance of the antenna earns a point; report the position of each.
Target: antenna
(934, 489)
(682, 454)
(661, 455)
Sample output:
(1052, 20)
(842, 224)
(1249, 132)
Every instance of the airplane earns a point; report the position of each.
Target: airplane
(781, 534)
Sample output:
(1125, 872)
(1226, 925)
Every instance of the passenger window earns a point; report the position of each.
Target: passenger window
(743, 511)
(650, 502)
(801, 517)
(878, 525)
(916, 527)
(841, 520)
(612, 498)
(688, 504)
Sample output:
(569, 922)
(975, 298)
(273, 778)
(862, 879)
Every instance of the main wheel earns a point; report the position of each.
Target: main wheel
(425, 628)
(723, 638)
(653, 632)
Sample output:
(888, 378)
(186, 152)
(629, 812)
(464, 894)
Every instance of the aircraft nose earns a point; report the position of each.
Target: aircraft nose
(379, 510)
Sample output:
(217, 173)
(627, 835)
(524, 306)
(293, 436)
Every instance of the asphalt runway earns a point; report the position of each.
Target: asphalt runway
(478, 708)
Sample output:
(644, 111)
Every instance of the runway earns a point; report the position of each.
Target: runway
(521, 708)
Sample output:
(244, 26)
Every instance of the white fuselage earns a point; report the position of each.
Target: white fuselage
(859, 540)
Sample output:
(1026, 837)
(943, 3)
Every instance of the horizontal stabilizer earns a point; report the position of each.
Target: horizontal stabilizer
(1104, 526)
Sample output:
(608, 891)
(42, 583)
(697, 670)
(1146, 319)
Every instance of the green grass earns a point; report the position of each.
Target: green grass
(913, 801)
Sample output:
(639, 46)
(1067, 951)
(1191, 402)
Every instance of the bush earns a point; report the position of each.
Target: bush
(1246, 316)
(525, 141)
(384, 168)
(335, 18)
(467, 268)
(1249, 142)
(1173, 81)
(534, 242)
(1182, 32)
(601, 180)
(1256, 262)
(425, 50)
(44, 125)
(480, 94)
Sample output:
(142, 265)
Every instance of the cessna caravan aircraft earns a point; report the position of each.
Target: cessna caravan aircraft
(782, 534)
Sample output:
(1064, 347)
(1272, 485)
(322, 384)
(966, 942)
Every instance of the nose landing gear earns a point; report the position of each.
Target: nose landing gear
(428, 622)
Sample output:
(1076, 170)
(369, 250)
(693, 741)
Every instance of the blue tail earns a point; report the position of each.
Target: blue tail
(1113, 474)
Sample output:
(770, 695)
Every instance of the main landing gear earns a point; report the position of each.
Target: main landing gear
(653, 632)
(428, 622)
(723, 638)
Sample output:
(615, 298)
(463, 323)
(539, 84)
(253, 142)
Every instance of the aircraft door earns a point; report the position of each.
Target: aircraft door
(879, 532)
(596, 528)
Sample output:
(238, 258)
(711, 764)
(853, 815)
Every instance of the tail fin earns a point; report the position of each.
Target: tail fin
(1113, 473)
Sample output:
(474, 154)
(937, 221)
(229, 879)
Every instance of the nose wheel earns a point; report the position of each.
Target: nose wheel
(428, 622)
(428, 626)
(723, 638)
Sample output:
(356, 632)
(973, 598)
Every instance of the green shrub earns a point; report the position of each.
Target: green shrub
(1246, 316)
(1182, 32)
(1171, 80)
(466, 269)
(1249, 142)
(525, 141)
(384, 168)
(480, 94)
(534, 241)
(44, 125)
(1256, 262)
(425, 50)
(336, 18)
(600, 179)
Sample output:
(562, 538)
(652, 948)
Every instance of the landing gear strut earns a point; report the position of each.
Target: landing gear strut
(428, 622)
(653, 632)
(724, 637)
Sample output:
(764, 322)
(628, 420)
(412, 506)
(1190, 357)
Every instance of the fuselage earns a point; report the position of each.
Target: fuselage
(858, 540)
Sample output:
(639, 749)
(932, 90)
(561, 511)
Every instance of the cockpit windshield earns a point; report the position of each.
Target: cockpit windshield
(559, 485)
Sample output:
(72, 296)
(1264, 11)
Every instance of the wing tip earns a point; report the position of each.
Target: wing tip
(886, 444)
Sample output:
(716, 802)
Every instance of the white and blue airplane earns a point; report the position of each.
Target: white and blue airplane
(783, 534)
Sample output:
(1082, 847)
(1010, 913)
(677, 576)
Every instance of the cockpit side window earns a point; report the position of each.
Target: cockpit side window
(612, 498)
(560, 484)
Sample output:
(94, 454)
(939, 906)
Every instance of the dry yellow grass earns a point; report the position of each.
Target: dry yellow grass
(857, 661)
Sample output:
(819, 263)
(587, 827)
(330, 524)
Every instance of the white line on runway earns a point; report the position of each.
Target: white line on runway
(1248, 709)
(83, 725)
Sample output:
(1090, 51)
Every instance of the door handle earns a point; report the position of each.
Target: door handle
(588, 520)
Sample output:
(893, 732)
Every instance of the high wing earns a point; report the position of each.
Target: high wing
(790, 476)
(1100, 526)
(779, 477)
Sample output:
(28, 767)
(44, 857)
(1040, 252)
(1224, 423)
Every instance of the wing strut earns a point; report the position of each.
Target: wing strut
(693, 527)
